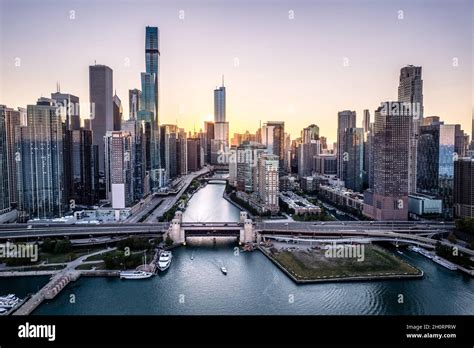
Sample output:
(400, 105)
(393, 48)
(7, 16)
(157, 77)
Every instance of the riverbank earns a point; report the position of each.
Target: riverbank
(305, 265)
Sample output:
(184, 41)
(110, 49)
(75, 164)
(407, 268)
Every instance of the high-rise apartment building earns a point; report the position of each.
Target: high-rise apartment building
(353, 163)
(268, 181)
(40, 163)
(273, 137)
(464, 187)
(437, 151)
(118, 153)
(4, 189)
(12, 121)
(345, 119)
(389, 198)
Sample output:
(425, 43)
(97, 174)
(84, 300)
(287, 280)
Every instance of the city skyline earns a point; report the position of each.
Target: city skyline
(254, 91)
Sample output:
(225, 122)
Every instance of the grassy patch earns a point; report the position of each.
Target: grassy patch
(309, 265)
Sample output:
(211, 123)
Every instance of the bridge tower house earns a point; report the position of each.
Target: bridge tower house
(247, 234)
(175, 231)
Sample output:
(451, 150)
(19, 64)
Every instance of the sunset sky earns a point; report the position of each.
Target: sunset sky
(282, 60)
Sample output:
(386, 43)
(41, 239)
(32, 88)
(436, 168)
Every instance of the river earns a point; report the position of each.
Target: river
(194, 285)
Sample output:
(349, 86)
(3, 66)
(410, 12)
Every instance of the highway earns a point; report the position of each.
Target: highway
(12, 231)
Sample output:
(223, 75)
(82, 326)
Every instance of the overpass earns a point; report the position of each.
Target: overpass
(245, 230)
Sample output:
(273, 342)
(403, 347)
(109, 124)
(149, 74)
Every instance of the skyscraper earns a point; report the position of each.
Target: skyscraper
(12, 121)
(436, 153)
(193, 154)
(219, 103)
(389, 198)
(118, 111)
(221, 126)
(273, 137)
(134, 97)
(209, 130)
(345, 119)
(118, 146)
(80, 160)
(40, 163)
(310, 133)
(102, 112)
(69, 108)
(464, 187)
(366, 121)
(4, 192)
(137, 156)
(168, 140)
(246, 165)
(410, 91)
(268, 181)
(353, 166)
(149, 108)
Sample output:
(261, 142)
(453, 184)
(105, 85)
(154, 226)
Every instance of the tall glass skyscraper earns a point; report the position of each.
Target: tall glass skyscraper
(436, 154)
(353, 166)
(40, 163)
(4, 195)
(149, 108)
(410, 90)
(345, 119)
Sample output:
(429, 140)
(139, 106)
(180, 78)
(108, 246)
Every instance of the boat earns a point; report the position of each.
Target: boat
(8, 297)
(400, 252)
(165, 260)
(444, 263)
(135, 275)
(425, 253)
(224, 270)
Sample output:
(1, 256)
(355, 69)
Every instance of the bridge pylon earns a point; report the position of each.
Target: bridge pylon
(248, 234)
(175, 232)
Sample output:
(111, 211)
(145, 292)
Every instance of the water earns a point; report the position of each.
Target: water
(195, 285)
(207, 205)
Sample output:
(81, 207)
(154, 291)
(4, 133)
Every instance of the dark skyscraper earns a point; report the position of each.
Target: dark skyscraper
(80, 159)
(410, 91)
(4, 192)
(102, 114)
(464, 187)
(12, 121)
(209, 130)
(40, 163)
(353, 167)
(366, 121)
(69, 108)
(345, 119)
(389, 198)
(118, 112)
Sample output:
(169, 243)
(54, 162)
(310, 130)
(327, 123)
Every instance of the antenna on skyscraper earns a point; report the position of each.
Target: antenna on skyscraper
(222, 80)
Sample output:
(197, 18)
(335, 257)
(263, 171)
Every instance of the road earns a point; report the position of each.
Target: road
(168, 202)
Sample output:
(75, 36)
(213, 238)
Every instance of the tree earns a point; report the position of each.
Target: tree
(62, 246)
